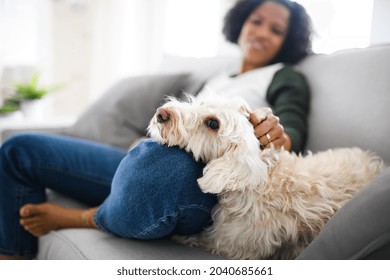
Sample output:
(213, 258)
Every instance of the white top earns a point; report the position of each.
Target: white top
(251, 86)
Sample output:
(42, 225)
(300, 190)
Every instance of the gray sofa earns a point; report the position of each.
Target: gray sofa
(349, 107)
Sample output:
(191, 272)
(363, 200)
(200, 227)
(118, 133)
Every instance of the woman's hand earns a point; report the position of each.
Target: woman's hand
(269, 131)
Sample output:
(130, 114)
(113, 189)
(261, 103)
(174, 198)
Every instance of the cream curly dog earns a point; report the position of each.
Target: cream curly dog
(271, 203)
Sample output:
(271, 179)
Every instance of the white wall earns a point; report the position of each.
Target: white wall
(71, 39)
(90, 44)
(380, 30)
(109, 40)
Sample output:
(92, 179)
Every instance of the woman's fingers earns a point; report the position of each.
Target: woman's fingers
(270, 131)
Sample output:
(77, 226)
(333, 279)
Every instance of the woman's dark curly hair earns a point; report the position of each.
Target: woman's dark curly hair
(298, 40)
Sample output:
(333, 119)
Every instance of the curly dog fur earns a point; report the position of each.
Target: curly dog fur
(271, 203)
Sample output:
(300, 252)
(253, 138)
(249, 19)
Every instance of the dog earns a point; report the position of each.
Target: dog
(271, 203)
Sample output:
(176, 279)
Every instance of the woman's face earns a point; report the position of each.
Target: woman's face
(263, 34)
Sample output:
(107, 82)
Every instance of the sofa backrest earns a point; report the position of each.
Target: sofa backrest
(350, 95)
(350, 99)
(349, 106)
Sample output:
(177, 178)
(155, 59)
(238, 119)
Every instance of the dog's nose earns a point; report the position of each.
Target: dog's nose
(162, 115)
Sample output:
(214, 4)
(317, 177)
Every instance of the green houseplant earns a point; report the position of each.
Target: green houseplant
(9, 106)
(29, 94)
(9, 111)
(31, 90)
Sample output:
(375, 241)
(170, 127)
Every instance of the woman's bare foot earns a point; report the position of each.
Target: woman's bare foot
(39, 219)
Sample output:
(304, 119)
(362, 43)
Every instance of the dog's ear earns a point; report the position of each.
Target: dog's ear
(245, 110)
(244, 107)
(235, 170)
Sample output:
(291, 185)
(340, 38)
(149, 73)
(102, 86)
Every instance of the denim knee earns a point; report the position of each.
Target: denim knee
(18, 152)
(155, 193)
(11, 150)
(18, 145)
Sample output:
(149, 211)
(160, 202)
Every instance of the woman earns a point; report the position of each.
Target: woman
(139, 194)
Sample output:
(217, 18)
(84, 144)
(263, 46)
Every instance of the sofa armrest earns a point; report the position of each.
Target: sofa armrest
(56, 126)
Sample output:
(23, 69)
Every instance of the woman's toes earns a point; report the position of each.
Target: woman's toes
(28, 210)
(24, 211)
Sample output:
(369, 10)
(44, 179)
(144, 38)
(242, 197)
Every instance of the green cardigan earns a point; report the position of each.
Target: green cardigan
(289, 97)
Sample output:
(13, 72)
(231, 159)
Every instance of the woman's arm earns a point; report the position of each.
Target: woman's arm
(289, 97)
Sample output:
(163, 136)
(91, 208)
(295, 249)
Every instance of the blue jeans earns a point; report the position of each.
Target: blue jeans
(148, 193)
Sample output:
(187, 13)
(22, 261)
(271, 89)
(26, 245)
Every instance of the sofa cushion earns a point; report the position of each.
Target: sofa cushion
(350, 99)
(92, 244)
(123, 113)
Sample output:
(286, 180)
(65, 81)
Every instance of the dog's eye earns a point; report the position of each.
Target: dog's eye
(213, 124)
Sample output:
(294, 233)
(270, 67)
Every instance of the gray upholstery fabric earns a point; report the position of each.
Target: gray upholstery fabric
(90, 244)
(350, 99)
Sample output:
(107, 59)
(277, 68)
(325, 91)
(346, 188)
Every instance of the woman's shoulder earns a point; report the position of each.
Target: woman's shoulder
(288, 70)
(288, 74)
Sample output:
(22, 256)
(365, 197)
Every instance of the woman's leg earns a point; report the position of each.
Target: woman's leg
(155, 194)
(360, 229)
(30, 163)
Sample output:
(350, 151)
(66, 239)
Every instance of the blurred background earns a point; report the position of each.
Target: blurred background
(87, 45)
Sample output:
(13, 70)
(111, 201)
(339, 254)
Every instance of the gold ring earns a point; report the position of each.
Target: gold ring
(268, 137)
